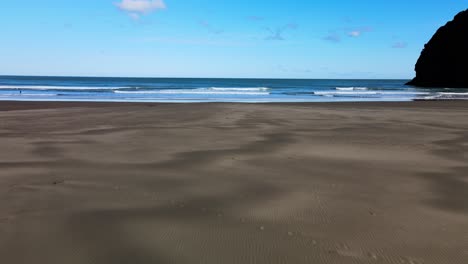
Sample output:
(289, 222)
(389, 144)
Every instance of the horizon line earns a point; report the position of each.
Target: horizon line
(221, 78)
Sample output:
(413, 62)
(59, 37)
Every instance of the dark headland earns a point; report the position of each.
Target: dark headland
(444, 60)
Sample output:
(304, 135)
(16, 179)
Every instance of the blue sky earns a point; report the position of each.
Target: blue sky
(212, 38)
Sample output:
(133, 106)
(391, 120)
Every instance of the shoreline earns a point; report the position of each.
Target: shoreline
(13, 104)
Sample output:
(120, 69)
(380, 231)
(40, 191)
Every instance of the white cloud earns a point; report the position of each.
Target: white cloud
(357, 32)
(135, 8)
(354, 34)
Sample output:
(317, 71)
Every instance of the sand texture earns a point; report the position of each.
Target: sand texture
(234, 183)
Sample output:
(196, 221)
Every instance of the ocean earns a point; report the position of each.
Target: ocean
(190, 90)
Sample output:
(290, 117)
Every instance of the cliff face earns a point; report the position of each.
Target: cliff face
(444, 60)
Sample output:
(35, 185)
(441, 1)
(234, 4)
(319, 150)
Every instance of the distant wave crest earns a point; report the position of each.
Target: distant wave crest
(201, 91)
(44, 88)
(253, 89)
(351, 88)
(448, 96)
(25, 94)
(367, 93)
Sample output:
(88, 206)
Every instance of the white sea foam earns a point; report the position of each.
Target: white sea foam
(42, 87)
(448, 96)
(203, 91)
(456, 94)
(26, 94)
(351, 88)
(252, 89)
(367, 93)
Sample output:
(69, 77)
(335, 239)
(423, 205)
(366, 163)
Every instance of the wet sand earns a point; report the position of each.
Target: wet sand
(234, 183)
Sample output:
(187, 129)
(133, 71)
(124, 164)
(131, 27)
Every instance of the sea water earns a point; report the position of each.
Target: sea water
(190, 90)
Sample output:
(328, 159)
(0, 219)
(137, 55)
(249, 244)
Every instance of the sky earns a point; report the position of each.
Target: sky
(359, 39)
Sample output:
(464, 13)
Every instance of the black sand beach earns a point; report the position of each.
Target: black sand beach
(234, 183)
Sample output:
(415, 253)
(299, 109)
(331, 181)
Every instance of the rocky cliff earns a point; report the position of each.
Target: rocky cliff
(444, 60)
